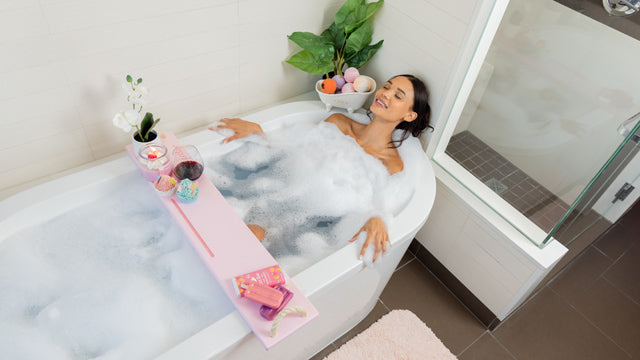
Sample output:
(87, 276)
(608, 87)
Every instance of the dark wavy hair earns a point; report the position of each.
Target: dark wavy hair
(420, 106)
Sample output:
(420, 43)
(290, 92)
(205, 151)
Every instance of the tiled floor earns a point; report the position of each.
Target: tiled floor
(512, 184)
(589, 310)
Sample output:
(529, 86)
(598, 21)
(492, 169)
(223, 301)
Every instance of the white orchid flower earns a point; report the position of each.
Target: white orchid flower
(127, 120)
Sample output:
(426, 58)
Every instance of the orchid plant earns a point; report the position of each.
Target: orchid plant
(131, 118)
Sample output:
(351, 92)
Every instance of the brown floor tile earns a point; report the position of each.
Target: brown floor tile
(548, 328)
(378, 311)
(613, 313)
(617, 240)
(414, 288)
(324, 352)
(576, 247)
(486, 348)
(624, 274)
(580, 274)
(408, 256)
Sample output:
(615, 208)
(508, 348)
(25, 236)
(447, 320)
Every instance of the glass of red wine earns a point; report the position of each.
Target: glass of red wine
(187, 162)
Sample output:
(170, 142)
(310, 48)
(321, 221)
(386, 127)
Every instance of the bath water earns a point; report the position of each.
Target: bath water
(310, 187)
(113, 279)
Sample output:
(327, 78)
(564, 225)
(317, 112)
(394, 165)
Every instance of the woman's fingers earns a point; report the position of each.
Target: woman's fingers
(365, 245)
(378, 248)
(356, 236)
(231, 138)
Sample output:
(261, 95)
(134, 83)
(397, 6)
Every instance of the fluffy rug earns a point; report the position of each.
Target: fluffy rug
(398, 335)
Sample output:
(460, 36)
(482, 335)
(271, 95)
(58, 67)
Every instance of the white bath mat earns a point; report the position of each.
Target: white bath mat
(398, 335)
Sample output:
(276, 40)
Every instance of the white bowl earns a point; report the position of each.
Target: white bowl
(350, 101)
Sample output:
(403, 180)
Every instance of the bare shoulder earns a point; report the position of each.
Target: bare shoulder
(343, 122)
(393, 164)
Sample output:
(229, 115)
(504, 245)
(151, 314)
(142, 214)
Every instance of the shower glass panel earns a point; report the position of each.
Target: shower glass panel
(594, 205)
(541, 119)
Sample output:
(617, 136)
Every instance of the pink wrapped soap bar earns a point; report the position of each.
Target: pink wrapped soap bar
(270, 313)
(263, 294)
(270, 276)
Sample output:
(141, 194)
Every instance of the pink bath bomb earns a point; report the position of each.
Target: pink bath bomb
(351, 74)
(339, 79)
(348, 88)
(362, 84)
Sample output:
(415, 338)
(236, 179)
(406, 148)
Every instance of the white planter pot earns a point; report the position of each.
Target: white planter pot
(137, 145)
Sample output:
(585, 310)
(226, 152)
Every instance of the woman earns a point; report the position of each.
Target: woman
(402, 103)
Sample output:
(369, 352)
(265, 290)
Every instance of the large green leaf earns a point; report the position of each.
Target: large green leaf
(319, 46)
(335, 35)
(307, 62)
(147, 124)
(355, 12)
(358, 39)
(362, 56)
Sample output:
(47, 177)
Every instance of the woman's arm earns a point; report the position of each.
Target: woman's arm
(377, 234)
(241, 128)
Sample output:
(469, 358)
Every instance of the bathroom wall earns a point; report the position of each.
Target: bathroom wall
(63, 62)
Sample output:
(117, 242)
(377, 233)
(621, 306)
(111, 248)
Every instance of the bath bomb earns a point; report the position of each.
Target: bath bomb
(188, 191)
(348, 88)
(362, 84)
(351, 74)
(165, 185)
(328, 86)
(340, 81)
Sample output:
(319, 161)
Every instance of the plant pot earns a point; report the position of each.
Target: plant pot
(350, 101)
(137, 144)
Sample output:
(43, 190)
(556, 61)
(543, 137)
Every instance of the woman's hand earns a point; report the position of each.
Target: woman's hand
(376, 233)
(241, 128)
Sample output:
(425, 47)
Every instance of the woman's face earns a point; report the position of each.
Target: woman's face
(394, 101)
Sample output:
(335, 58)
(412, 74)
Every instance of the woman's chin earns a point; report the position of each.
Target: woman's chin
(375, 108)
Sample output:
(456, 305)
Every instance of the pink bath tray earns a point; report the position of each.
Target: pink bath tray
(229, 249)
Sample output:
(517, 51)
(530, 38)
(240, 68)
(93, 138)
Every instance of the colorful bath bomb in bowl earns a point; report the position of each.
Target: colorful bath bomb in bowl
(165, 185)
(351, 74)
(328, 86)
(340, 81)
(348, 88)
(188, 191)
(362, 84)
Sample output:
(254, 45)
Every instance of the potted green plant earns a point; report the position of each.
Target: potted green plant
(132, 120)
(346, 42)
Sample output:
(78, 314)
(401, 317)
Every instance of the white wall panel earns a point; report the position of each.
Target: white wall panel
(63, 63)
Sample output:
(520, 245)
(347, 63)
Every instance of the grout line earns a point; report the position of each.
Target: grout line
(385, 305)
(473, 342)
(600, 251)
(502, 345)
(591, 323)
(601, 276)
(604, 278)
(407, 263)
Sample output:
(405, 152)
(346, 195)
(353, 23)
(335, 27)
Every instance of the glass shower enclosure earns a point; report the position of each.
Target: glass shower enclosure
(540, 134)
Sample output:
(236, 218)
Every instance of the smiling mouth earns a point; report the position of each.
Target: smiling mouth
(381, 104)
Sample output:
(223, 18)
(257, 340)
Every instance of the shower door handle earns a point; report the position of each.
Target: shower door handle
(621, 7)
(631, 3)
(625, 128)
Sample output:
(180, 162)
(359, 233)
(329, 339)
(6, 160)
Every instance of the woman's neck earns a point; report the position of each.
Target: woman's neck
(377, 134)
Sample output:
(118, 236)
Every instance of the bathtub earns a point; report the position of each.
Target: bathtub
(340, 286)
